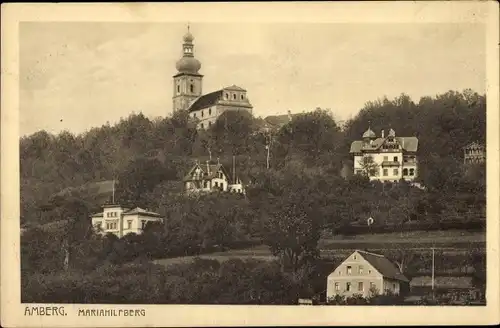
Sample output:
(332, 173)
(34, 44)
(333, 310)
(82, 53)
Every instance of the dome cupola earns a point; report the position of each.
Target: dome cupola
(188, 64)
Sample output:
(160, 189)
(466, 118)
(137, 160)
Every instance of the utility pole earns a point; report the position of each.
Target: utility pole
(432, 273)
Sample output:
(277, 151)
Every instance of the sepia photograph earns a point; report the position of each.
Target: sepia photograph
(330, 164)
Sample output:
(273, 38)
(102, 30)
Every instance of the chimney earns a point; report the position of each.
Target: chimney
(382, 133)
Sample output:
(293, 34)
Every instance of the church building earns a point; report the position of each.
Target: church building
(188, 95)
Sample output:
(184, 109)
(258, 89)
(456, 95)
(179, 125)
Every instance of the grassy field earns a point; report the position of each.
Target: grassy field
(340, 246)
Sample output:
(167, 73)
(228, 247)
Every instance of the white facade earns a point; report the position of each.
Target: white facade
(363, 272)
(211, 177)
(121, 221)
(390, 158)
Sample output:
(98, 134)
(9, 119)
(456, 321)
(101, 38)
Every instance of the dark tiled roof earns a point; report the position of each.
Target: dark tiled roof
(408, 143)
(383, 266)
(142, 212)
(442, 282)
(277, 120)
(205, 101)
(214, 168)
(235, 88)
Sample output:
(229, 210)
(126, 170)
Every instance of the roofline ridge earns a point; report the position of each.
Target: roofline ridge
(366, 252)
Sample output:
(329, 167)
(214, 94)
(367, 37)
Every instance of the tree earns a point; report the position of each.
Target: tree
(368, 166)
(292, 235)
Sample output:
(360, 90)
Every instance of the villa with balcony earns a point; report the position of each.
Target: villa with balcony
(385, 158)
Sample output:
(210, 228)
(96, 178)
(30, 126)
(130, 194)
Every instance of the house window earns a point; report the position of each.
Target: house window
(178, 89)
(112, 225)
(412, 172)
(205, 184)
(129, 224)
(355, 257)
(226, 96)
(405, 171)
(201, 125)
(191, 88)
(337, 286)
(386, 158)
(395, 158)
(348, 269)
(210, 111)
(348, 286)
(194, 115)
(98, 226)
(372, 285)
(360, 286)
(216, 184)
(143, 224)
(360, 269)
(396, 172)
(385, 172)
(242, 97)
(369, 271)
(202, 114)
(234, 96)
(209, 124)
(394, 286)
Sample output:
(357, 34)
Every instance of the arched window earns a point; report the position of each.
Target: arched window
(226, 96)
(178, 88)
(234, 96)
(191, 87)
(405, 171)
(242, 97)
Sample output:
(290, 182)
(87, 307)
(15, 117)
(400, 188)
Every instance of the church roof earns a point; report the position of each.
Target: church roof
(205, 101)
(408, 144)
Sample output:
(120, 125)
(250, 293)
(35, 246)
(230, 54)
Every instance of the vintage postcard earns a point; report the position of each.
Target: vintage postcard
(250, 164)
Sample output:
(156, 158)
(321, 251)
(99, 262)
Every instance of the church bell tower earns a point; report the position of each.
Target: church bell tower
(187, 81)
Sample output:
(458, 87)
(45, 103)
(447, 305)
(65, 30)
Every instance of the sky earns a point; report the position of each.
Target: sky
(79, 75)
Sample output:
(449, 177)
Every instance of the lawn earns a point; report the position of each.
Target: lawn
(340, 246)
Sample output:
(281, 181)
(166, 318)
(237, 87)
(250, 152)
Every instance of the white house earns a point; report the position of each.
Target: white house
(383, 158)
(210, 177)
(121, 221)
(361, 273)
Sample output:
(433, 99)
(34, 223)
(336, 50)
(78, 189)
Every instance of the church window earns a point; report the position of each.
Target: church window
(191, 87)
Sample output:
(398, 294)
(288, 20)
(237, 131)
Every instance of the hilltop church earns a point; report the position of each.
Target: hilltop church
(187, 93)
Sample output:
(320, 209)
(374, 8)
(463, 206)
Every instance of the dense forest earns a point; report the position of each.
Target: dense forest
(305, 194)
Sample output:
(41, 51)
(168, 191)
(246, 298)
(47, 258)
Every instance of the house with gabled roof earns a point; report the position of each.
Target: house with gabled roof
(121, 221)
(363, 273)
(385, 158)
(211, 177)
(474, 153)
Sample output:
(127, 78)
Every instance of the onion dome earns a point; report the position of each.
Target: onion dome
(188, 37)
(369, 134)
(188, 65)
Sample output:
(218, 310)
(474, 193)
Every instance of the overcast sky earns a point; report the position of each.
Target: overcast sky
(76, 76)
